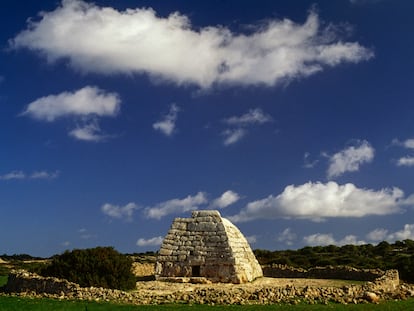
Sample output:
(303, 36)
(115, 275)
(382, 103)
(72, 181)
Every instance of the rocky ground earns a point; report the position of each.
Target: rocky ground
(264, 290)
(261, 291)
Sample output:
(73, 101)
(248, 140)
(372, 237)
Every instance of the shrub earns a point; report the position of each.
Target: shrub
(99, 267)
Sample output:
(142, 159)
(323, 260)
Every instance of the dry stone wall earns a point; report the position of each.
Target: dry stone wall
(22, 283)
(209, 247)
(329, 272)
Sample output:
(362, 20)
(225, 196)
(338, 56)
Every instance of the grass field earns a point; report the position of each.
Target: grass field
(27, 304)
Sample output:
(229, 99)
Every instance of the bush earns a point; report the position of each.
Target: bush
(99, 267)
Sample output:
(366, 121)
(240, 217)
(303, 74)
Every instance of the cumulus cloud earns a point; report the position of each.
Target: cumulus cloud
(176, 206)
(381, 234)
(350, 159)
(20, 175)
(120, 212)
(408, 144)
(170, 48)
(406, 233)
(167, 124)
(287, 236)
(227, 198)
(406, 161)
(377, 235)
(84, 102)
(320, 239)
(155, 241)
(88, 104)
(239, 125)
(317, 201)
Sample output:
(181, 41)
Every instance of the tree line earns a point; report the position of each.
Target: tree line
(398, 255)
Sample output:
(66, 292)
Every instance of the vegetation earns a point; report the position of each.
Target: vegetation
(3, 280)
(100, 267)
(399, 255)
(19, 257)
(28, 304)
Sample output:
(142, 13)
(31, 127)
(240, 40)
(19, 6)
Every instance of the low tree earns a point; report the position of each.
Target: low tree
(99, 267)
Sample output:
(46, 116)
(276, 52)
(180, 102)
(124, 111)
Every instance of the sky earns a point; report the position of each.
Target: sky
(294, 119)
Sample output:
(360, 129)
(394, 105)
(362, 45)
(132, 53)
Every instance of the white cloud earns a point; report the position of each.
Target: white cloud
(227, 198)
(88, 132)
(44, 175)
(381, 234)
(120, 212)
(317, 201)
(155, 241)
(408, 144)
(20, 175)
(377, 235)
(320, 239)
(406, 233)
(87, 101)
(167, 124)
(406, 161)
(287, 236)
(232, 136)
(239, 125)
(350, 159)
(169, 48)
(176, 206)
(13, 175)
(253, 116)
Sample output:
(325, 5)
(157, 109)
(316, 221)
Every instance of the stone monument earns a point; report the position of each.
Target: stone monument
(206, 247)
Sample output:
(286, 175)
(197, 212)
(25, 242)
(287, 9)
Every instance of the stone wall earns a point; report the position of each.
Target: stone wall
(329, 272)
(22, 283)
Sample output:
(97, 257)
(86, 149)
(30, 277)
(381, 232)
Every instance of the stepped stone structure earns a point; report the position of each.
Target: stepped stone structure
(206, 247)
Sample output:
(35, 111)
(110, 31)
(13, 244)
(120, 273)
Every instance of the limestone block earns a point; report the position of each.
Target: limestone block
(165, 252)
(204, 213)
(182, 226)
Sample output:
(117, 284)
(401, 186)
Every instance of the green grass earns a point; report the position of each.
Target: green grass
(3, 280)
(17, 304)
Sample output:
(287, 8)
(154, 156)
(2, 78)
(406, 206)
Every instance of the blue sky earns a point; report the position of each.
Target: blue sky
(293, 118)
